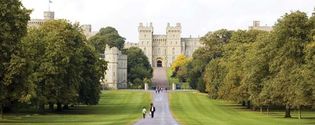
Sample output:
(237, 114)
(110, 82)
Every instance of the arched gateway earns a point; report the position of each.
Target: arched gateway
(159, 63)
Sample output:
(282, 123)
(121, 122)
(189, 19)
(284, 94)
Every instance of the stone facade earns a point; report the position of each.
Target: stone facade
(257, 26)
(116, 73)
(162, 50)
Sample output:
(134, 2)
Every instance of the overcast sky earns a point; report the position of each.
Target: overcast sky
(196, 16)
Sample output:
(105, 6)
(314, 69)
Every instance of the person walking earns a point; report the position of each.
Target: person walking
(152, 110)
(144, 111)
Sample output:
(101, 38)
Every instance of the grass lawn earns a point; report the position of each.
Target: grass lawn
(193, 108)
(115, 108)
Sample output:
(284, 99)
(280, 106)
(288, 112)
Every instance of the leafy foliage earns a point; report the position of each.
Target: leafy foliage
(13, 64)
(139, 69)
(107, 36)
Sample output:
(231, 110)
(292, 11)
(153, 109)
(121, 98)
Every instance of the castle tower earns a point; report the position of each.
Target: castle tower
(173, 39)
(146, 39)
(49, 15)
(111, 57)
(256, 23)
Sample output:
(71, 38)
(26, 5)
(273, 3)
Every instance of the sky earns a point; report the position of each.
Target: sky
(197, 17)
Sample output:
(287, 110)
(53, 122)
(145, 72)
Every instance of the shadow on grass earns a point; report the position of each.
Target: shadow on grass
(272, 113)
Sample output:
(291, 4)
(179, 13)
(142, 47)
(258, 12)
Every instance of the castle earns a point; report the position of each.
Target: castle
(257, 26)
(116, 73)
(162, 50)
(50, 15)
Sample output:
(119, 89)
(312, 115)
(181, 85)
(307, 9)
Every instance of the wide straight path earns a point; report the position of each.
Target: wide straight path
(162, 115)
(160, 77)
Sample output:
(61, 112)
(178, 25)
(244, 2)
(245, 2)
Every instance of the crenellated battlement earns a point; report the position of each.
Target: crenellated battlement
(145, 28)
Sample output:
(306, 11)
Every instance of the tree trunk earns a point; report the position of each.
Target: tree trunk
(248, 105)
(243, 103)
(51, 107)
(261, 109)
(287, 111)
(1, 111)
(300, 114)
(268, 110)
(41, 107)
(59, 107)
(65, 106)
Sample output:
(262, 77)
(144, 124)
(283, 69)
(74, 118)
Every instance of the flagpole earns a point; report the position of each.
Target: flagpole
(49, 5)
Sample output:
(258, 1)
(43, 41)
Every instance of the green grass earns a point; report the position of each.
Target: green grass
(193, 108)
(114, 108)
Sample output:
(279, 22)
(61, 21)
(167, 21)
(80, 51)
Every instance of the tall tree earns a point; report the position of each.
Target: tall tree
(233, 87)
(59, 58)
(107, 36)
(213, 42)
(93, 70)
(13, 23)
(139, 67)
(291, 34)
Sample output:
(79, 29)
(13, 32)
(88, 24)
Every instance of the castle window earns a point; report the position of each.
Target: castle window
(173, 49)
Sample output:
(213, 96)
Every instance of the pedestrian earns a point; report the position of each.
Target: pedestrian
(152, 110)
(144, 111)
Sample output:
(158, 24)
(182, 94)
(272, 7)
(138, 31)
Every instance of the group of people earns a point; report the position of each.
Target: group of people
(158, 90)
(152, 110)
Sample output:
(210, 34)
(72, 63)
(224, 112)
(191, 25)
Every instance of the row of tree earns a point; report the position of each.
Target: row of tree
(260, 68)
(49, 65)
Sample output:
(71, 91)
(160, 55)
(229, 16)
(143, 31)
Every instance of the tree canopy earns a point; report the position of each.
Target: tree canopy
(107, 36)
(259, 68)
(139, 68)
(13, 65)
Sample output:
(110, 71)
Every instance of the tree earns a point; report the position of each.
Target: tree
(256, 69)
(107, 36)
(64, 69)
(213, 77)
(13, 66)
(291, 34)
(93, 70)
(235, 55)
(213, 41)
(182, 72)
(180, 61)
(138, 66)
